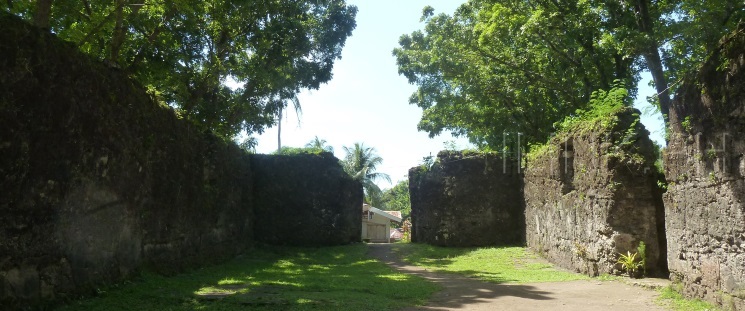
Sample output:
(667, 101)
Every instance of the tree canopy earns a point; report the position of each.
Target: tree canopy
(520, 66)
(186, 51)
(397, 199)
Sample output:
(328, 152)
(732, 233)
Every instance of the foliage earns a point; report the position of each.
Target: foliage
(601, 115)
(319, 144)
(188, 50)
(492, 264)
(642, 251)
(504, 66)
(361, 163)
(659, 162)
(671, 296)
(397, 199)
(686, 123)
(629, 263)
(295, 150)
(692, 30)
(406, 238)
(248, 144)
(274, 278)
(477, 85)
(428, 162)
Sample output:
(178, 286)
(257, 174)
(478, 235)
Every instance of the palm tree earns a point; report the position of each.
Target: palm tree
(319, 144)
(298, 110)
(361, 163)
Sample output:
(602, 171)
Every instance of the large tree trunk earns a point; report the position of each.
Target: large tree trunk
(43, 13)
(117, 38)
(651, 53)
(652, 58)
(279, 132)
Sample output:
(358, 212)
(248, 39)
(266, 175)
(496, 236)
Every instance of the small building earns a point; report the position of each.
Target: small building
(376, 224)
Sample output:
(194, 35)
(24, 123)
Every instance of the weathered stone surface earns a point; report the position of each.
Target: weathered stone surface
(94, 173)
(98, 180)
(305, 199)
(705, 166)
(467, 199)
(588, 199)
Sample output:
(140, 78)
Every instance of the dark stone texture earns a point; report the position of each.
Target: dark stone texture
(99, 181)
(467, 199)
(705, 165)
(587, 198)
(305, 199)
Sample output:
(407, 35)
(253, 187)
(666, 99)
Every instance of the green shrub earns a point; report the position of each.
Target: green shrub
(298, 150)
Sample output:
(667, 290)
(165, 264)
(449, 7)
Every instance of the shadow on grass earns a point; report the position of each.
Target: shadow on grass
(459, 289)
(274, 278)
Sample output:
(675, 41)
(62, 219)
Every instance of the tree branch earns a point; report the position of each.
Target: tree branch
(43, 13)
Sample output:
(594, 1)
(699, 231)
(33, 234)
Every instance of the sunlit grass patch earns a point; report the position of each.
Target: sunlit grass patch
(493, 264)
(670, 296)
(230, 281)
(274, 278)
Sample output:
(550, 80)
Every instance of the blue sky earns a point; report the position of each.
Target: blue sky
(367, 101)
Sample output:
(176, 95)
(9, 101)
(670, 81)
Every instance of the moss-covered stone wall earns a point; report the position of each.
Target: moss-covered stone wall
(591, 194)
(305, 199)
(467, 199)
(705, 168)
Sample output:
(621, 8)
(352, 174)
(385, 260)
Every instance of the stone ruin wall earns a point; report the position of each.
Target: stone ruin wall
(705, 169)
(100, 182)
(579, 204)
(467, 199)
(582, 220)
(584, 204)
(305, 200)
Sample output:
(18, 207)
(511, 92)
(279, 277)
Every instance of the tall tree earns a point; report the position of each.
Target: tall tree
(518, 66)
(186, 50)
(42, 13)
(669, 38)
(295, 103)
(361, 163)
(507, 66)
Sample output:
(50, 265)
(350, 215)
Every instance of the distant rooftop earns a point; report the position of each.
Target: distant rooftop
(392, 215)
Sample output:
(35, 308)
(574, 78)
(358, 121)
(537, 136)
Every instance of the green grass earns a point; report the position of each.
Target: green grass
(333, 278)
(493, 264)
(670, 296)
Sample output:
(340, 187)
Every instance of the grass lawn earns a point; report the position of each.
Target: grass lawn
(492, 264)
(670, 296)
(333, 278)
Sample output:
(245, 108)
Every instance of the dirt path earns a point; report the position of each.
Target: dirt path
(462, 293)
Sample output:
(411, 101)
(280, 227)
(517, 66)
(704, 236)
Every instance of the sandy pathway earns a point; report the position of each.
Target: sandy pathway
(462, 293)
